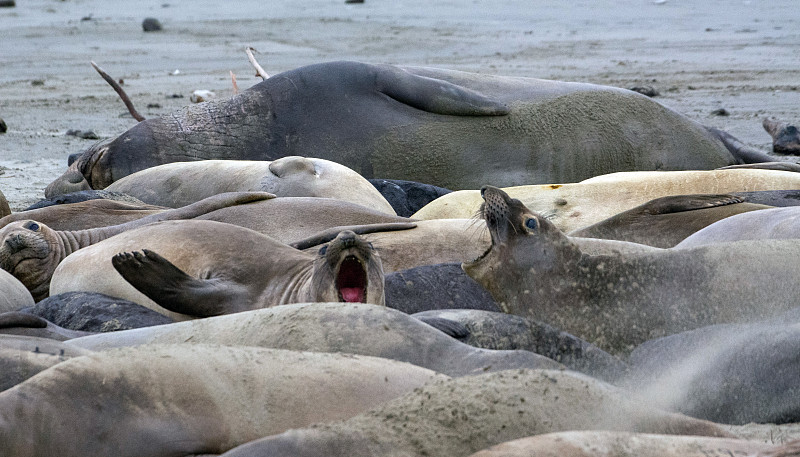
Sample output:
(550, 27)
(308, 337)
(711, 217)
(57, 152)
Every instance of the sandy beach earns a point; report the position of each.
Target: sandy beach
(700, 56)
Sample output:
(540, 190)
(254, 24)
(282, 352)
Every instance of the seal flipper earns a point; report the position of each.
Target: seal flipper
(450, 327)
(13, 319)
(435, 95)
(173, 289)
(680, 203)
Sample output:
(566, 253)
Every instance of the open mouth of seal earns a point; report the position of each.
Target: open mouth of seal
(351, 281)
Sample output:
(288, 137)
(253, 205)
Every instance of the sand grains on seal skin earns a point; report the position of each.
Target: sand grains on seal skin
(461, 416)
(571, 206)
(187, 399)
(625, 444)
(354, 328)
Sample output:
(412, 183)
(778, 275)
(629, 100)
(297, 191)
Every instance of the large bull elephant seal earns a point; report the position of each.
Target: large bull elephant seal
(182, 183)
(624, 444)
(190, 399)
(619, 301)
(460, 416)
(577, 205)
(205, 268)
(419, 124)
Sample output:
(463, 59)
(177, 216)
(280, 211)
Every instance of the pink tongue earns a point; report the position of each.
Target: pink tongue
(351, 294)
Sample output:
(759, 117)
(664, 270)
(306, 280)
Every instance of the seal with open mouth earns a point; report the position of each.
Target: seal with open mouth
(622, 299)
(207, 268)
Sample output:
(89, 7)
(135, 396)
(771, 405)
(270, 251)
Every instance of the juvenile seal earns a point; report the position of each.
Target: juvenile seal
(204, 268)
(31, 251)
(84, 215)
(351, 328)
(407, 197)
(577, 205)
(666, 221)
(419, 124)
(623, 444)
(769, 224)
(190, 399)
(785, 136)
(460, 416)
(618, 301)
(5, 210)
(182, 183)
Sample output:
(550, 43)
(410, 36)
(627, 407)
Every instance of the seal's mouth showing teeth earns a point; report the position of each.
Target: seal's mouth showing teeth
(351, 281)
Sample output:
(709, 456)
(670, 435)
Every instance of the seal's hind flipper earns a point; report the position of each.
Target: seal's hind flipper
(170, 287)
(450, 327)
(435, 95)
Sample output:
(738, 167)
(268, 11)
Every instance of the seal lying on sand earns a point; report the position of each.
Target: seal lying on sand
(618, 301)
(460, 416)
(203, 268)
(85, 215)
(190, 399)
(769, 224)
(666, 221)
(574, 206)
(31, 251)
(353, 328)
(182, 183)
(420, 124)
(625, 444)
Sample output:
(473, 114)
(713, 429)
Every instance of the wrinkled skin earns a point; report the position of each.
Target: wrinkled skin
(420, 124)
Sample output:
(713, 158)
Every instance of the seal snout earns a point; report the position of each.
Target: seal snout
(351, 281)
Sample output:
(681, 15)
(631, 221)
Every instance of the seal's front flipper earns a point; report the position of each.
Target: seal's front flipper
(435, 95)
(171, 288)
(679, 203)
(14, 319)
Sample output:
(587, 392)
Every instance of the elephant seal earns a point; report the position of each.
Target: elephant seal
(593, 443)
(419, 124)
(84, 215)
(13, 294)
(495, 330)
(407, 197)
(577, 205)
(771, 197)
(91, 312)
(726, 373)
(182, 183)
(666, 221)
(31, 251)
(190, 399)
(22, 323)
(5, 210)
(82, 196)
(769, 224)
(460, 416)
(21, 357)
(352, 328)
(785, 137)
(619, 301)
(199, 268)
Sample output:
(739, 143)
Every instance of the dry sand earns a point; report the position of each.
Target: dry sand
(740, 55)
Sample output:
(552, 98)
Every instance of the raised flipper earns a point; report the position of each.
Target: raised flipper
(780, 166)
(173, 289)
(450, 327)
(331, 233)
(435, 95)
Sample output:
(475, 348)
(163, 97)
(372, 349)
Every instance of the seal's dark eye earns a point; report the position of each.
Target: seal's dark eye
(531, 223)
(33, 226)
(323, 250)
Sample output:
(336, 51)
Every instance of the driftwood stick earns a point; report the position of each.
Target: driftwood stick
(120, 92)
(233, 81)
(259, 71)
